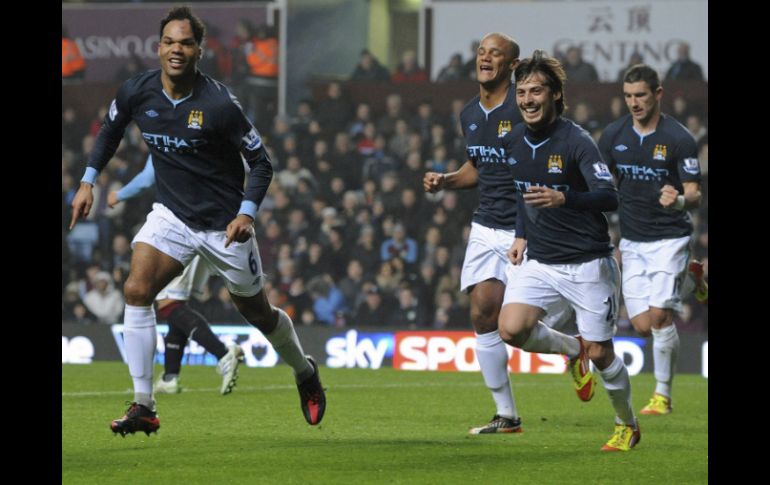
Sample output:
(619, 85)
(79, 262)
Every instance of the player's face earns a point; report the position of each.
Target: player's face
(178, 51)
(493, 61)
(536, 101)
(642, 103)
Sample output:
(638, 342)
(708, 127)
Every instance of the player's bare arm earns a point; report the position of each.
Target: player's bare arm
(240, 229)
(466, 177)
(516, 252)
(671, 199)
(81, 204)
(544, 197)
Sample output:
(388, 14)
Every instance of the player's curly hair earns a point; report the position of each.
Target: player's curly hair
(184, 13)
(552, 71)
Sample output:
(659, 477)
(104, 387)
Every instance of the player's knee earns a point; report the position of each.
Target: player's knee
(513, 333)
(661, 317)
(600, 353)
(138, 293)
(642, 324)
(484, 318)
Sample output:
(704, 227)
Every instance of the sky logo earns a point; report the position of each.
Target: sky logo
(364, 350)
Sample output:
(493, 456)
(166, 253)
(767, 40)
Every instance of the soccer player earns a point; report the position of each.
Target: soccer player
(197, 134)
(655, 160)
(563, 188)
(485, 121)
(183, 321)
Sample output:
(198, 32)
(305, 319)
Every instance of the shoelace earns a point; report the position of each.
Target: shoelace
(619, 438)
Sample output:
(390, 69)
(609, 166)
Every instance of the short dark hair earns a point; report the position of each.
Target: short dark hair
(184, 13)
(550, 68)
(643, 72)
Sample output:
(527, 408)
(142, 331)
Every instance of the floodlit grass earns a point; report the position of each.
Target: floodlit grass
(382, 426)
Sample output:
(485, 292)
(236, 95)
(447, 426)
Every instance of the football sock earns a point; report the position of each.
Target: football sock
(665, 349)
(139, 335)
(618, 386)
(493, 359)
(549, 341)
(286, 343)
(195, 326)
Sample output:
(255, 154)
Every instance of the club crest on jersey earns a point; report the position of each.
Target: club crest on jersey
(503, 128)
(195, 120)
(555, 164)
(659, 153)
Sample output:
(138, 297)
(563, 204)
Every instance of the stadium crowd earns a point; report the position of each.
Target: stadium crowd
(346, 234)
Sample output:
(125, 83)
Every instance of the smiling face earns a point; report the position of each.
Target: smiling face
(178, 51)
(536, 101)
(494, 61)
(642, 102)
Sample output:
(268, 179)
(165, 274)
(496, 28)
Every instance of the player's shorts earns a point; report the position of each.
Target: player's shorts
(591, 289)
(487, 257)
(239, 265)
(653, 273)
(191, 283)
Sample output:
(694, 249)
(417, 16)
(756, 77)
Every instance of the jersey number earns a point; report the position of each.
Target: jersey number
(613, 307)
(252, 263)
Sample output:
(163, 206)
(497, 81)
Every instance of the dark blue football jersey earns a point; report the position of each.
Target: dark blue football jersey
(562, 157)
(196, 145)
(642, 166)
(484, 134)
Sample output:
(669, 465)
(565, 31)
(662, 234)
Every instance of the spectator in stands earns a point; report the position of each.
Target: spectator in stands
(73, 64)
(130, 68)
(696, 127)
(684, 69)
(373, 310)
(454, 71)
(409, 314)
(394, 111)
(334, 111)
(400, 245)
(369, 69)
(366, 250)
(352, 284)
(634, 59)
(578, 69)
(329, 302)
(408, 71)
(469, 67)
(448, 314)
(104, 300)
(261, 80)
(217, 59)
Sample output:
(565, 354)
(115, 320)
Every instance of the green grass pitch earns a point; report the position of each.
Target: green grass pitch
(382, 426)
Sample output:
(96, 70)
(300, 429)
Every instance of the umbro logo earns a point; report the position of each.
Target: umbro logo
(473, 127)
(151, 113)
(621, 148)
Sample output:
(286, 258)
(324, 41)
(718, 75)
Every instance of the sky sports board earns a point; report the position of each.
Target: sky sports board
(445, 351)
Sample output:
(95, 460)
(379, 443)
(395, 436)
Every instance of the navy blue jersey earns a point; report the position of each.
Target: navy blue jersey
(563, 157)
(484, 134)
(642, 166)
(196, 146)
